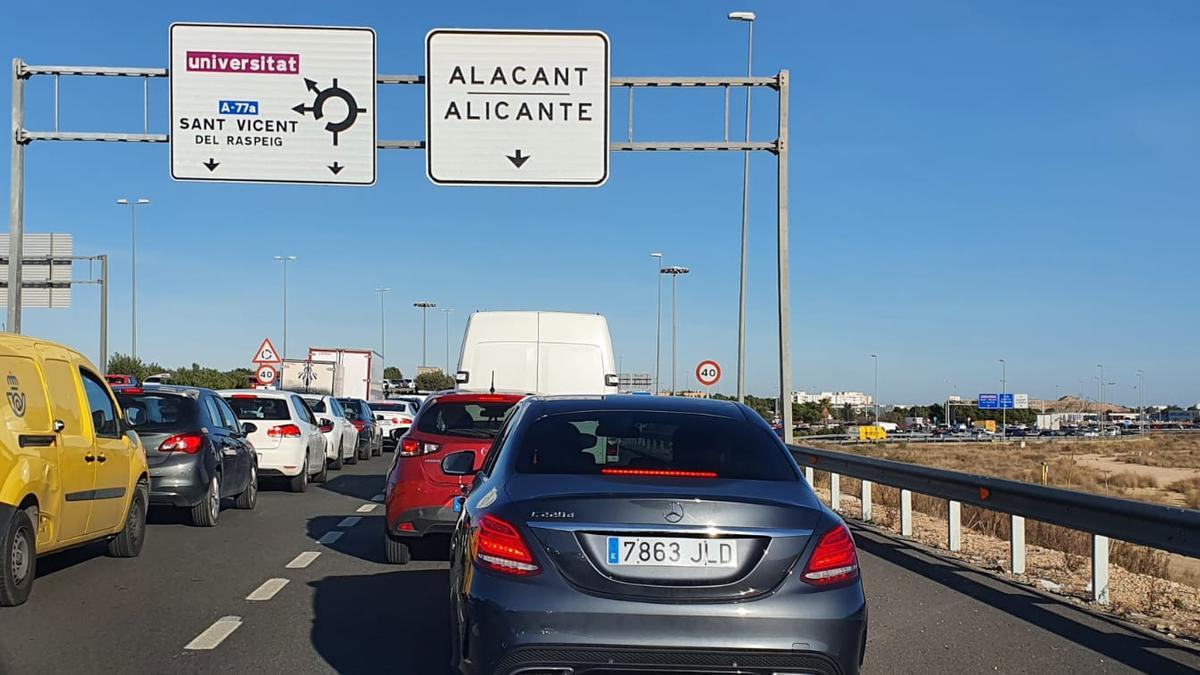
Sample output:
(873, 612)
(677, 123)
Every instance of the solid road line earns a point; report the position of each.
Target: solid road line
(349, 521)
(303, 560)
(268, 589)
(367, 508)
(330, 537)
(216, 633)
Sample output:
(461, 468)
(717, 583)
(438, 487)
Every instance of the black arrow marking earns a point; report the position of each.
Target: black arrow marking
(301, 108)
(336, 168)
(517, 158)
(212, 166)
(312, 86)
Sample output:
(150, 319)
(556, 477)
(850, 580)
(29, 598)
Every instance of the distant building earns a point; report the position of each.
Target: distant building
(630, 382)
(855, 399)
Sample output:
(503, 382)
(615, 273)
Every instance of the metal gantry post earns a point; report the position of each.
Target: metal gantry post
(741, 364)
(104, 314)
(16, 222)
(785, 306)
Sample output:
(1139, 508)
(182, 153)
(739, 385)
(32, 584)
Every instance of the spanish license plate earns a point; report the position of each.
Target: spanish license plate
(672, 551)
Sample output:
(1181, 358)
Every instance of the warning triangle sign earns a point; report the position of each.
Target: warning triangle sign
(266, 353)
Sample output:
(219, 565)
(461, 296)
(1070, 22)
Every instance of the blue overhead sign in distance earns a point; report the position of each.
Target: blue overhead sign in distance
(1006, 401)
(989, 401)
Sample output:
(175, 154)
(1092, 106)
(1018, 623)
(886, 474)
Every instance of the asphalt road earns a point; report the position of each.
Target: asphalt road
(346, 610)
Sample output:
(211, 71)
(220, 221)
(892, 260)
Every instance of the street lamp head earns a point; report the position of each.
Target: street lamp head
(424, 305)
(285, 257)
(742, 16)
(874, 356)
(383, 290)
(656, 255)
(676, 269)
(143, 201)
(123, 202)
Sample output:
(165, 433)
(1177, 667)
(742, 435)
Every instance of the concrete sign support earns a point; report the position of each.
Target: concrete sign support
(516, 107)
(273, 104)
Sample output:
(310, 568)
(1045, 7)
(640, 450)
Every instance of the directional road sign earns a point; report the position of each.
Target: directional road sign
(1021, 401)
(1003, 401)
(272, 104)
(516, 107)
(1006, 401)
(266, 354)
(708, 372)
(266, 374)
(989, 401)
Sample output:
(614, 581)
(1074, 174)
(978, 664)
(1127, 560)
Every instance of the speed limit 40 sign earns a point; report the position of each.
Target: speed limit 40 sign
(266, 374)
(708, 372)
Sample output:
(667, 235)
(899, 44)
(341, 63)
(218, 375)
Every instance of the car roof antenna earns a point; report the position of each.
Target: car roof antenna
(492, 389)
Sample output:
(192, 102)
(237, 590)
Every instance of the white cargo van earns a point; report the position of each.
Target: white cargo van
(538, 353)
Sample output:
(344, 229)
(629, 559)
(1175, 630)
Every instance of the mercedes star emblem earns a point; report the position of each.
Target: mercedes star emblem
(674, 512)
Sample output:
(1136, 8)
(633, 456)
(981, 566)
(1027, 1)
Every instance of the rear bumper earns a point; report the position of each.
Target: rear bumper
(541, 622)
(427, 520)
(178, 483)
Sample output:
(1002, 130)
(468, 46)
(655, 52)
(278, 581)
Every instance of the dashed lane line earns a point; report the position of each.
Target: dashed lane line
(215, 634)
(303, 560)
(268, 590)
(330, 537)
(349, 521)
(367, 508)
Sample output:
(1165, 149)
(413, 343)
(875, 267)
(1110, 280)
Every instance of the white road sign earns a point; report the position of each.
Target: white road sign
(266, 353)
(1021, 401)
(515, 107)
(266, 374)
(272, 104)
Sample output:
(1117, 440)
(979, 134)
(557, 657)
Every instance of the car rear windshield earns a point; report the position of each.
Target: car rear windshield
(626, 441)
(390, 407)
(464, 418)
(317, 405)
(255, 408)
(150, 413)
(353, 411)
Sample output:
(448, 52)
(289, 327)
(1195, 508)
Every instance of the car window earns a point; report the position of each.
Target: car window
(157, 412)
(101, 406)
(315, 403)
(302, 410)
(464, 418)
(214, 413)
(249, 407)
(227, 417)
(501, 439)
(336, 407)
(60, 379)
(611, 441)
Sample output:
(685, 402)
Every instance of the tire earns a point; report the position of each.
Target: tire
(378, 451)
(336, 463)
(365, 453)
(249, 497)
(299, 482)
(353, 458)
(128, 544)
(323, 474)
(18, 559)
(398, 552)
(205, 513)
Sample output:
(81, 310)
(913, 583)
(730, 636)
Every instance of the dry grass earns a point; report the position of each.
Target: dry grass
(1190, 489)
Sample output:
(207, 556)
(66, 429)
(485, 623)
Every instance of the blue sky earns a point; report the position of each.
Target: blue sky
(970, 181)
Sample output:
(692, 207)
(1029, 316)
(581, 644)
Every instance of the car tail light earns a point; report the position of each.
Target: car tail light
(189, 443)
(658, 473)
(358, 424)
(499, 547)
(131, 390)
(404, 420)
(835, 559)
(244, 396)
(284, 431)
(410, 447)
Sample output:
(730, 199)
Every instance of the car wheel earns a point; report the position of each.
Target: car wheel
(336, 462)
(365, 453)
(322, 474)
(18, 560)
(378, 451)
(128, 543)
(249, 496)
(206, 512)
(398, 552)
(299, 482)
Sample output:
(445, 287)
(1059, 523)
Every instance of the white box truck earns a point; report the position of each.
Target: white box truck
(307, 377)
(357, 373)
(537, 353)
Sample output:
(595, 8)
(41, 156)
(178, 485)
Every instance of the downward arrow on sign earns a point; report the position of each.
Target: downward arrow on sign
(336, 168)
(517, 158)
(211, 164)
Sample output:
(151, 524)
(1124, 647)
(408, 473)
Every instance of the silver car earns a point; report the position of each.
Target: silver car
(635, 533)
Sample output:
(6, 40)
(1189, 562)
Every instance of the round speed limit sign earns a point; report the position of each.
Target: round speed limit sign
(265, 374)
(708, 372)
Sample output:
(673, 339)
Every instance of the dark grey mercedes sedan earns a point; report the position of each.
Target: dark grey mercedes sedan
(623, 534)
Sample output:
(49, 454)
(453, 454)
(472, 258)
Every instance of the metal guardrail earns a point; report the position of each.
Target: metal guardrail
(1166, 528)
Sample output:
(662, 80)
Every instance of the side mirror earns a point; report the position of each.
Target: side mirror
(459, 464)
(325, 424)
(248, 428)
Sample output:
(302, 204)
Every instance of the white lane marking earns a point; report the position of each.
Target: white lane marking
(330, 537)
(377, 498)
(367, 508)
(216, 633)
(349, 521)
(268, 590)
(303, 560)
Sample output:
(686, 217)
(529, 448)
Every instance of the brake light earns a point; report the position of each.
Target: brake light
(131, 390)
(284, 431)
(499, 547)
(404, 420)
(835, 559)
(358, 424)
(658, 473)
(189, 443)
(411, 448)
(249, 396)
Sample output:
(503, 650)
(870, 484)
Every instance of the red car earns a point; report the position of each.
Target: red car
(420, 498)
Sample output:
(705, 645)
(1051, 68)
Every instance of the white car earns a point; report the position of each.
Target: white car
(397, 416)
(285, 434)
(341, 438)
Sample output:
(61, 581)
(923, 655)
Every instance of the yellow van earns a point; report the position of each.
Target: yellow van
(69, 472)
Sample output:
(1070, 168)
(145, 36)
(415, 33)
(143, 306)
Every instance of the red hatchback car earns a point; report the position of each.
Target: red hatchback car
(420, 498)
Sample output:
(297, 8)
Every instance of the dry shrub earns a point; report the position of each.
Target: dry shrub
(1140, 559)
(1129, 479)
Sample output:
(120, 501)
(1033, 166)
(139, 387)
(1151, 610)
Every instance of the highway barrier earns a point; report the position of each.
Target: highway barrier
(1167, 528)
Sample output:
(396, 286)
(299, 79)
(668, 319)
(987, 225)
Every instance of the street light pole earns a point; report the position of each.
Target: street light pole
(382, 325)
(1141, 403)
(875, 358)
(748, 18)
(1100, 396)
(285, 259)
(674, 271)
(447, 313)
(658, 322)
(133, 267)
(1003, 392)
(424, 306)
